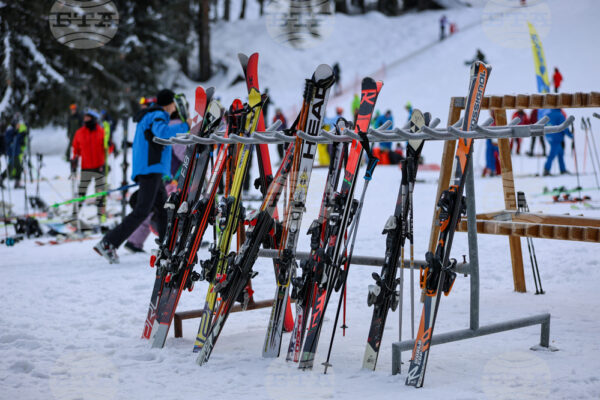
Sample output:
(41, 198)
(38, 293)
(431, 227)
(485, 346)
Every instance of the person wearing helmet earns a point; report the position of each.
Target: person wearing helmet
(151, 161)
(88, 146)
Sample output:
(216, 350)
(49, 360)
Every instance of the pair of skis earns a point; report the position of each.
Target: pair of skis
(383, 295)
(438, 276)
(161, 256)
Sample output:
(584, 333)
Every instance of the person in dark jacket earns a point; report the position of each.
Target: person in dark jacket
(150, 162)
(337, 90)
(443, 23)
(556, 140)
(533, 118)
(88, 146)
(15, 141)
(74, 122)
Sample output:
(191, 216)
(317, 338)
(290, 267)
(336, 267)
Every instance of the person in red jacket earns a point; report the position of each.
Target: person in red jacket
(88, 145)
(524, 121)
(557, 78)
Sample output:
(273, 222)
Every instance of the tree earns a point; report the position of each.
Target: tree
(40, 77)
(203, 30)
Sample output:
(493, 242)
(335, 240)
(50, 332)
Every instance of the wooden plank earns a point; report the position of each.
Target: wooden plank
(510, 203)
(524, 229)
(191, 314)
(535, 100)
(540, 218)
(445, 173)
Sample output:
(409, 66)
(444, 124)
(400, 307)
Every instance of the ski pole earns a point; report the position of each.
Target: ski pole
(371, 164)
(575, 158)
(104, 193)
(594, 160)
(4, 210)
(585, 146)
(589, 124)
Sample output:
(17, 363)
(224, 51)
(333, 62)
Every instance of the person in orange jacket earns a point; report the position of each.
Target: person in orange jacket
(88, 145)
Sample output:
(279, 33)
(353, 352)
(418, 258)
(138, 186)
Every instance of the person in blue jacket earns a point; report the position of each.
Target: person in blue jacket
(151, 162)
(556, 140)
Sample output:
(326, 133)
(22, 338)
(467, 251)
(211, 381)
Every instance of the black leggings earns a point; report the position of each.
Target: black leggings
(151, 197)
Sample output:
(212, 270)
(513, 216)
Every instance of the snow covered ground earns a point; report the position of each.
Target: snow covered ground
(72, 323)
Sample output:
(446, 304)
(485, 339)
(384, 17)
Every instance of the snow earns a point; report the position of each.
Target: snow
(72, 323)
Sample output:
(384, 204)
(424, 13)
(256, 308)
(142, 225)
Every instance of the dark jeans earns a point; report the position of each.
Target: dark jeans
(151, 197)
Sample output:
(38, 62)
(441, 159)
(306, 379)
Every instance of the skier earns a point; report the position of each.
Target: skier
(409, 109)
(88, 144)
(479, 56)
(280, 117)
(533, 118)
(135, 242)
(384, 151)
(443, 22)
(74, 122)
(337, 90)
(354, 106)
(266, 104)
(557, 78)
(150, 162)
(524, 121)
(15, 139)
(556, 140)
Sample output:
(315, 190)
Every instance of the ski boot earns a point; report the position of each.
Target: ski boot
(107, 251)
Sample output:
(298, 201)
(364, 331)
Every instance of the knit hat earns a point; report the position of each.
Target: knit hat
(164, 97)
(92, 113)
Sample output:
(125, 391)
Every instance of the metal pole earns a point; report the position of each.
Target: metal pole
(473, 249)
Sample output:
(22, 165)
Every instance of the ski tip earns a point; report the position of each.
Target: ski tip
(322, 73)
(379, 86)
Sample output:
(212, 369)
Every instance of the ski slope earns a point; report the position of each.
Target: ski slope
(71, 322)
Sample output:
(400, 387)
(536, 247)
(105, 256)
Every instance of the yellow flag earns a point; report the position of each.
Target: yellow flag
(541, 70)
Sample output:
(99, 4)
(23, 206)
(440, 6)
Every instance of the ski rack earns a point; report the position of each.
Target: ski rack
(382, 134)
(498, 105)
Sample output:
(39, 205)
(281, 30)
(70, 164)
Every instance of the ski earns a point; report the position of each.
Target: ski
(438, 276)
(234, 286)
(316, 94)
(176, 270)
(173, 202)
(265, 175)
(383, 295)
(327, 261)
(303, 285)
(230, 208)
